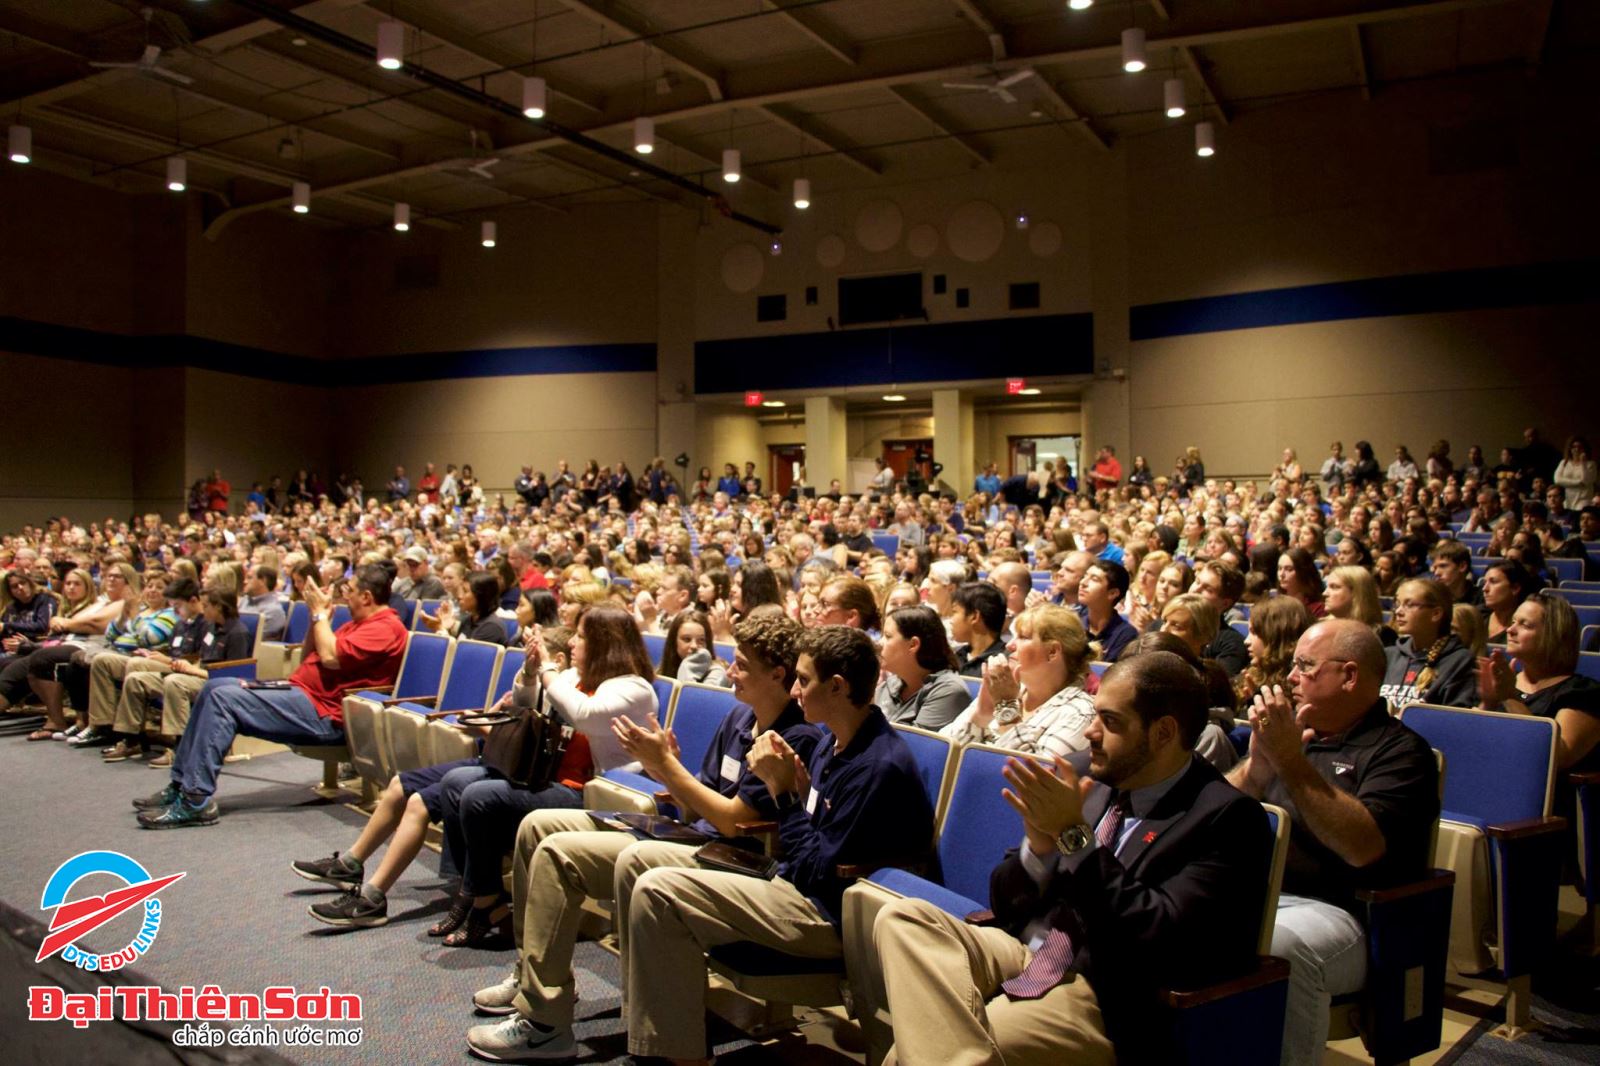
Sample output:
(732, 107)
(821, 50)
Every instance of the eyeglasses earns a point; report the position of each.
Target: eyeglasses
(1307, 667)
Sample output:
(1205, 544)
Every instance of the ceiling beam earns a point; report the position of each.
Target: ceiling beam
(279, 116)
(1161, 9)
(1358, 47)
(978, 14)
(619, 20)
(958, 138)
(1540, 40)
(588, 171)
(831, 141)
(1070, 115)
(496, 57)
(1192, 61)
(808, 23)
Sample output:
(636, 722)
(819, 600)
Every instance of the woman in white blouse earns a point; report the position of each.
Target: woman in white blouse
(1033, 703)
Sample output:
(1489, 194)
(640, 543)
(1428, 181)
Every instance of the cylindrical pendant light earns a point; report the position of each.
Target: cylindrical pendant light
(777, 247)
(302, 198)
(1080, 5)
(730, 165)
(1133, 50)
(402, 217)
(488, 234)
(1172, 97)
(802, 193)
(19, 143)
(644, 135)
(1205, 139)
(533, 97)
(391, 45)
(177, 173)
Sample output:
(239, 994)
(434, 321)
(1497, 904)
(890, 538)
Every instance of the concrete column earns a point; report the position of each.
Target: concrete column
(952, 437)
(827, 445)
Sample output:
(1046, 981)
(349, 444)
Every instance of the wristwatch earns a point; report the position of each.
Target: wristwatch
(1074, 838)
(1007, 712)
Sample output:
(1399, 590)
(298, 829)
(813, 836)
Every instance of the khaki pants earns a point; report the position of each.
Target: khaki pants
(674, 917)
(560, 859)
(940, 974)
(106, 672)
(177, 693)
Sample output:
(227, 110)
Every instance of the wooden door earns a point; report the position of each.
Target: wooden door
(900, 455)
(783, 460)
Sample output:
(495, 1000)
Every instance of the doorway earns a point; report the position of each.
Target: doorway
(1030, 453)
(784, 463)
(902, 455)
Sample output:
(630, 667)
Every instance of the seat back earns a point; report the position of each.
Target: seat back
(974, 685)
(473, 666)
(1589, 638)
(696, 717)
(1502, 765)
(428, 607)
(505, 675)
(339, 618)
(666, 692)
(979, 825)
(1278, 818)
(512, 626)
(1577, 597)
(251, 620)
(655, 645)
(1099, 668)
(723, 650)
(933, 754)
(1565, 569)
(1589, 665)
(422, 669)
(298, 624)
(888, 543)
(406, 609)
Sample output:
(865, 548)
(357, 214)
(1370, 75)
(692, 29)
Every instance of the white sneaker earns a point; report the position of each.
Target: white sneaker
(519, 1040)
(70, 732)
(497, 999)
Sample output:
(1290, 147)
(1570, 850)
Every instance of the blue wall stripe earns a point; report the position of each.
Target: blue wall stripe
(947, 351)
(162, 350)
(1532, 285)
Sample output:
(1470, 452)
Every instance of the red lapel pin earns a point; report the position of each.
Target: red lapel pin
(1149, 838)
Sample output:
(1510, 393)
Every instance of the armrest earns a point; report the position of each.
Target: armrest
(377, 688)
(1435, 881)
(436, 714)
(766, 832)
(1528, 827)
(855, 871)
(665, 802)
(1269, 970)
(979, 917)
(426, 701)
(223, 663)
(1590, 778)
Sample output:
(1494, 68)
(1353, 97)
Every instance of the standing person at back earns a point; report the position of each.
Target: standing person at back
(1362, 792)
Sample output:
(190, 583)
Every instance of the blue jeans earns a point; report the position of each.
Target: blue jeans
(1327, 952)
(482, 811)
(225, 709)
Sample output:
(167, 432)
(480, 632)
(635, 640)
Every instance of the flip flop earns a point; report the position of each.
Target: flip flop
(41, 734)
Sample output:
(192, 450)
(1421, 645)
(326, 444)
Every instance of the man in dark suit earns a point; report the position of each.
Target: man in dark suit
(1152, 874)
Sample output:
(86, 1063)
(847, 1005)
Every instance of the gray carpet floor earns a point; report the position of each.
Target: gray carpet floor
(238, 919)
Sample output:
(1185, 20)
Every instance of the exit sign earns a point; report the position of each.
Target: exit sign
(752, 399)
(1015, 385)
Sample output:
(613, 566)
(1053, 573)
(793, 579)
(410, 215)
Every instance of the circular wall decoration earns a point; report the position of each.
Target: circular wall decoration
(922, 240)
(975, 231)
(742, 267)
(879, 225)
(830, 250)
(1044, 239)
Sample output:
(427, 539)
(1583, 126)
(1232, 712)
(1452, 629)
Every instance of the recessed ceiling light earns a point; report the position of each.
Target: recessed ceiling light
(299, 42)
(894, 397)
(773, 403)
(1028, 392)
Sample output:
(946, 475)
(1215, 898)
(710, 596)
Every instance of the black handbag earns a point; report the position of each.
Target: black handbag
(525, 745)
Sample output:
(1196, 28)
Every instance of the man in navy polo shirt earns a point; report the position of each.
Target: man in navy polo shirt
(561, 858)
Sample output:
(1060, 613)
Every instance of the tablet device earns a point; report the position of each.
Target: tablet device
(722, 856)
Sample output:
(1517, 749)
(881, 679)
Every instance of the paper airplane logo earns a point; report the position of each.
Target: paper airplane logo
(74, 919)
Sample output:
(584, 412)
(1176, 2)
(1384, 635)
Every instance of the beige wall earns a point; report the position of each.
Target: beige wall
(252, 429)
(993, 430)
(496, 424)
(728, 435)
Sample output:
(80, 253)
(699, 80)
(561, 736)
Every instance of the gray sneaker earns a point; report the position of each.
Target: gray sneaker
(519, 1040)
(497, 999)
(165, 798)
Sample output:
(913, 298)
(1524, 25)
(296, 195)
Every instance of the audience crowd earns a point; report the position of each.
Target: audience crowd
(1115, 634)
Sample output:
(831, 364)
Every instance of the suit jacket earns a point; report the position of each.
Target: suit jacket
(1180, 907)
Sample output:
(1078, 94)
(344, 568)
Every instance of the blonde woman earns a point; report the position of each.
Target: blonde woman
(1351, 592)
(1034, 701)
(81, 620)
(1467, 624)
(1275, 627)
(1142, 595)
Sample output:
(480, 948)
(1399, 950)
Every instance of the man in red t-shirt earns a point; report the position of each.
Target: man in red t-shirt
(307, 709)
(217, 490)
(429, 481)
(1106, 472)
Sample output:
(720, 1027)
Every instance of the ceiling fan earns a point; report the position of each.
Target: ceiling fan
(149, 60)
(1001, 87)
(147, 64)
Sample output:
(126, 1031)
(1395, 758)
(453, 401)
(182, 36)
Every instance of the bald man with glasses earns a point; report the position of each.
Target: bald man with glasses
(1362, 792)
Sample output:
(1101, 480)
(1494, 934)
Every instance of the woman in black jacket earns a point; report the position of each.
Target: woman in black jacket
(1366, 470)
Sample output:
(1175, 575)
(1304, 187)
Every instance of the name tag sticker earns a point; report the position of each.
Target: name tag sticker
(811, 802)
(1036, 943)
(730, 768)
(209, 638)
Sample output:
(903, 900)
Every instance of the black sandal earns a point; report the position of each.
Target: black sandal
(459, 908)
(485, 926)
